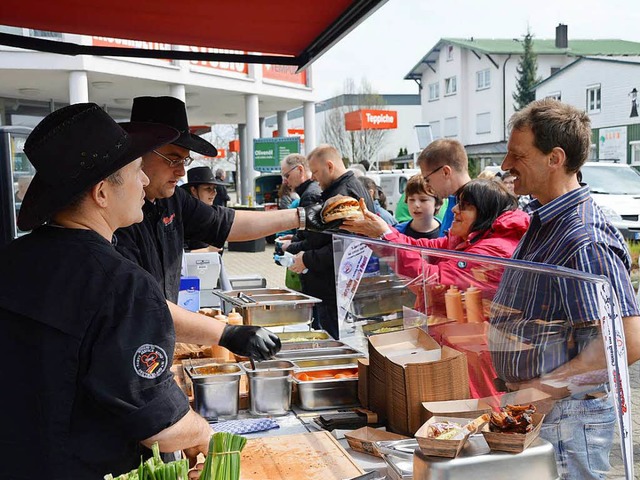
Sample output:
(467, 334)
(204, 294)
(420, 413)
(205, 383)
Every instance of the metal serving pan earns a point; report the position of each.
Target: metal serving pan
(306, 336)
(381, 295)
(322, 394)
(216, 388)
(387, 326)
(268, 307)
(312, 345)
(476, 461)
(326, 353)
(325, 363)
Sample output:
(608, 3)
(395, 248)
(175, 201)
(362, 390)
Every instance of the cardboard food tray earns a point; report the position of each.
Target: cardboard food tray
(469, 408)
(513, 442)
(442, 448)
(363, 439)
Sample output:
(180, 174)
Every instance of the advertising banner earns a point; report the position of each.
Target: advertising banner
(269, 152)
(371, 120)
(613, 144)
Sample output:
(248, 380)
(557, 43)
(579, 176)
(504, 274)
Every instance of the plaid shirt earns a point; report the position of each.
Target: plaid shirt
(542, 321)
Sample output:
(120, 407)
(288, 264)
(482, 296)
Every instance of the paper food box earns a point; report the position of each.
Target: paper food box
(450, 444)
(407, 368)
(469, 408)
(363, 382)
(363, 439)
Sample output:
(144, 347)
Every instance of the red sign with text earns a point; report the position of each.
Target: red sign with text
(292, 132)
(371, 119)
(284, 73)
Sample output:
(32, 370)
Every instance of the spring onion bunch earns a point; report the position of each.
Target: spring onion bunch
(223, 459)
(155, 469)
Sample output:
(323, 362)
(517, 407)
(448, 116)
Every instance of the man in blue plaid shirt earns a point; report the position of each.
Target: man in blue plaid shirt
(557, 317)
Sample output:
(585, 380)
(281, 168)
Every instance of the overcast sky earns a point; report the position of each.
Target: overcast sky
(386, 46)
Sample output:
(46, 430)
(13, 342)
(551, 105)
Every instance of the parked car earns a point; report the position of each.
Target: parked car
(615, 187)
(392, 183)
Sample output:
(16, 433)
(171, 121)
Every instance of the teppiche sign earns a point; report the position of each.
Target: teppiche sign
(371, 119)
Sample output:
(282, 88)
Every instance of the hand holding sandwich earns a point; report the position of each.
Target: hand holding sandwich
(331, 214)
(369, 225)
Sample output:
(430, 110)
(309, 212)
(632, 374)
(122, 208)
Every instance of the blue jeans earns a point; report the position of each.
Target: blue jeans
(581, 432)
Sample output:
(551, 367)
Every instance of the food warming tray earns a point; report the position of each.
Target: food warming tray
(269, 307)
(381, 295)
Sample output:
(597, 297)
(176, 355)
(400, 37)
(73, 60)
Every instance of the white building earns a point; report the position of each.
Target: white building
(467, 85)
(607, 89)
(407, 108)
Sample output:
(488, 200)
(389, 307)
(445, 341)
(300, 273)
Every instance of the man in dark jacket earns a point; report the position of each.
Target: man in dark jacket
(327, 168)
(222, 196)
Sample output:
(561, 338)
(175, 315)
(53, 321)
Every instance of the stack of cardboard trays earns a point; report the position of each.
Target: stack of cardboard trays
(407, 368)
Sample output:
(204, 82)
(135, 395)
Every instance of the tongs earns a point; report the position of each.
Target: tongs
(245, 298)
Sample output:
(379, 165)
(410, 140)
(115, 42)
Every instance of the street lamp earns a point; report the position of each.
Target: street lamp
(425, 135)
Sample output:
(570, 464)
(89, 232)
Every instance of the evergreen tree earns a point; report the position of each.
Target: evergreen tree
(527, 75)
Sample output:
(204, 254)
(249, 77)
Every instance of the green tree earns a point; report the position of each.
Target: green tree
(527, 75)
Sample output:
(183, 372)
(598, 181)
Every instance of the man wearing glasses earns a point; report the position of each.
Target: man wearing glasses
(445, 168)
(172, 216)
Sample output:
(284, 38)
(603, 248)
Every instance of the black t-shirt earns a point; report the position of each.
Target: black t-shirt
(410, 232)
(92, 342)
(157, 242)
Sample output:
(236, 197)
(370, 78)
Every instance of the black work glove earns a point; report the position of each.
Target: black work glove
(250, 341)
(314, 221)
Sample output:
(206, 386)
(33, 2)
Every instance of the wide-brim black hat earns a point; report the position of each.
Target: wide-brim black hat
(172, 112)
(202, 175)
(76, 147)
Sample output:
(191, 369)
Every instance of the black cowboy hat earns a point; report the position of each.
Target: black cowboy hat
(201, 175)
(76, 147)
(173, 112)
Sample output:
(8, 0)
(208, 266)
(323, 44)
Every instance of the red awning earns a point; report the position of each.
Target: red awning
(299, 30)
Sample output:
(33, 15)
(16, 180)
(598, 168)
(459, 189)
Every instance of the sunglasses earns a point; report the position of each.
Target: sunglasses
(288, 172)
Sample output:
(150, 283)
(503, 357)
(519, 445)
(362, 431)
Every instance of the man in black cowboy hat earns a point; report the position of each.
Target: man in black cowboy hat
(92, 330)
(171, 217)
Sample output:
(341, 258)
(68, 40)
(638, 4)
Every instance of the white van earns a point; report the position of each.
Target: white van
(392, 183)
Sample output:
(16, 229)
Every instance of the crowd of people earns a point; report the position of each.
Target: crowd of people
(108, 221)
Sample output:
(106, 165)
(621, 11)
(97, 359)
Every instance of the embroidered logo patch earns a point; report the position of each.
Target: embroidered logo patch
(168, 220)
(150, 361)
(462, 264)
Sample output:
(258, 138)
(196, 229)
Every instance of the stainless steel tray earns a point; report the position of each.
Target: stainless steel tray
(216, 394)
(269, 307)
(325, 363)
(382, 295)
(312, 345)
(476, 461)
(387, 326)
(327, 393)
(327, 353)
(306, 336)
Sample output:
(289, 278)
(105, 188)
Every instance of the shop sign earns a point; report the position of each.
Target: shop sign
(269, 152)
(284, 73)
(234, 145)
(236, 67)
(293, 132)
(371, 120)
(613, 144)
(123, 43)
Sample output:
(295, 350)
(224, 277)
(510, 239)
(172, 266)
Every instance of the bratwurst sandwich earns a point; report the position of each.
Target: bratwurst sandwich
(341, 207)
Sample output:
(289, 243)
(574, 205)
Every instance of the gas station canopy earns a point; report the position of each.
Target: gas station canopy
(288, 32)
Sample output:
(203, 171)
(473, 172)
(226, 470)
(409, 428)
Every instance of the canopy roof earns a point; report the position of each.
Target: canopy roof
(291, 32)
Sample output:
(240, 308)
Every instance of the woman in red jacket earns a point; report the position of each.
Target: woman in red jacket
(486, 222)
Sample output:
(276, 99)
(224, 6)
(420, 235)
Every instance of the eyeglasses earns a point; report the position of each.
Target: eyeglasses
(426, 177)
(288, 172)
(186, 161)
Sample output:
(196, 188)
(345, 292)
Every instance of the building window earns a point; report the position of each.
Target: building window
(483, 122)
(449, 53)
(594, 97)
(435, 129)
(483, 79)
(434, 91)
(635, 152)
(450, 86)
(555, 70)
(451, 127)
(593, 152)
(555, 96)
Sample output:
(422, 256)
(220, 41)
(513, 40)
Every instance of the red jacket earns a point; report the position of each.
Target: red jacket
(499, 241)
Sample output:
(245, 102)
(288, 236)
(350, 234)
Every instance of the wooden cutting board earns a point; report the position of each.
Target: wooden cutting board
(304, 456)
